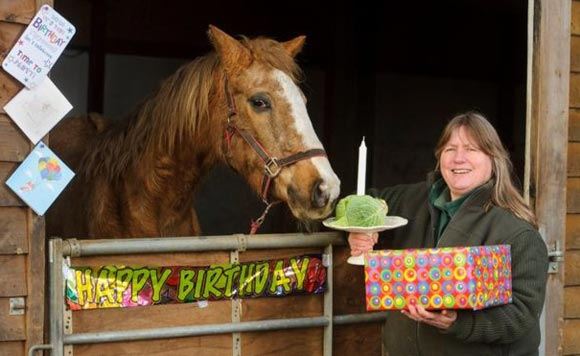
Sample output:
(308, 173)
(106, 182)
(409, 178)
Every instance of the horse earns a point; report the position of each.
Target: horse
(240, 105)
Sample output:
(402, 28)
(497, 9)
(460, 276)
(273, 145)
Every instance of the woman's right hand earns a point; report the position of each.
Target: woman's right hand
(360, 242)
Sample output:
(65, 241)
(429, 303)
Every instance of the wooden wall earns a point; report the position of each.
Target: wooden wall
(22, 240)
(571, 343)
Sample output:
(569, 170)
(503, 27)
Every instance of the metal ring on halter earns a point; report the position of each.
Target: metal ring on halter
(272, 168)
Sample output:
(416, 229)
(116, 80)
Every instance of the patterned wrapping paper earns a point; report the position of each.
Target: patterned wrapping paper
(475, 278)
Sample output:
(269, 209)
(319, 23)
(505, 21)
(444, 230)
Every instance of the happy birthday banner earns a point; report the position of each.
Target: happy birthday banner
(122, 286)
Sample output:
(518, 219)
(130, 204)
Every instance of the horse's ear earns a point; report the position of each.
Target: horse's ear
(233, 55)
(294, 46)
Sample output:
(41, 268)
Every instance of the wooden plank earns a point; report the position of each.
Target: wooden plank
(358, 339)
(167, 259)
(12, 327)
(167, 315)
(279, 308)
(14, 146)
(217, 345)
(284, 342)
(13, 230)
(575, 90)
(573, 195)
(12, 348)
(12, 276)
(573, 232)
(572, 267)
(7, 196)
(575, 18)
(19, 11)
(9, 86)
(552, 92)
(571, 305)
(349, 297)
(35, 280)
(9, 33)
(574, 126)
(152, 317)
(575, 54)
(571, 342)
(573, 159)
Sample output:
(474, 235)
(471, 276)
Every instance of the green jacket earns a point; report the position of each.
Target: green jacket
(511, 329)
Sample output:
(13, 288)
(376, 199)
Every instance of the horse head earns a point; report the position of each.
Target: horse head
(269, 137)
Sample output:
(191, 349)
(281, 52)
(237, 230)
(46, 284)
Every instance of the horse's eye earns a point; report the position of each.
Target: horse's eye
(260, 103)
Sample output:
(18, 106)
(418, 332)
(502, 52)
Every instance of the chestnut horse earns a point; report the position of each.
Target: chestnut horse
(239, 105)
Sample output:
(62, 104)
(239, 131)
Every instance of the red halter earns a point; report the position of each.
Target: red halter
(272, 165)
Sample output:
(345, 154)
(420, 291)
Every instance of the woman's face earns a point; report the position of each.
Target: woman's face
(463, 165)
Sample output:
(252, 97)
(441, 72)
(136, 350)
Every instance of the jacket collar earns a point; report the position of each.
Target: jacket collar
(480, 197)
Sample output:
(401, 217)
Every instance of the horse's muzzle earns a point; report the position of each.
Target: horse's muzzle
(312, 189)
(320, 194)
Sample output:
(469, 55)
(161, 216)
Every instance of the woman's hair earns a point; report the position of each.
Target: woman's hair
(504, 193)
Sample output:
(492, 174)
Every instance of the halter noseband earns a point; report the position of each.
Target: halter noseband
(272, 165)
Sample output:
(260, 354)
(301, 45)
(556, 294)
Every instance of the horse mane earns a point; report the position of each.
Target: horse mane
(172, 114)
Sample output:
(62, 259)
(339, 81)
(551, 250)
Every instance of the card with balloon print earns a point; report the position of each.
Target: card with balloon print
(40, 179)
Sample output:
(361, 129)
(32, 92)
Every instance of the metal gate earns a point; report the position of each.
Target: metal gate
(59, 323)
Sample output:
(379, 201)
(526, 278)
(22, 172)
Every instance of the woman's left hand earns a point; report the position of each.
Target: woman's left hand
(442, 320)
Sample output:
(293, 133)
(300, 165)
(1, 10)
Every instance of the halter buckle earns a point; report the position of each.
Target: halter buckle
(272, 168)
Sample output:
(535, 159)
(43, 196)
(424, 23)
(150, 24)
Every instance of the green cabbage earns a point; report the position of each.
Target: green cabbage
(360, 211)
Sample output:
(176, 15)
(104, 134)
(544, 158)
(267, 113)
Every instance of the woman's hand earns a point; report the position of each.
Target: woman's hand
(442, 320)
(361, 242)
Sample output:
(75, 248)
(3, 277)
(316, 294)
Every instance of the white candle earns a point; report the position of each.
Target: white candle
(362, 168)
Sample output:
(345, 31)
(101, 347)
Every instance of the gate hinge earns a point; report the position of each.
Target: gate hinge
(555, 257)
(17, 306)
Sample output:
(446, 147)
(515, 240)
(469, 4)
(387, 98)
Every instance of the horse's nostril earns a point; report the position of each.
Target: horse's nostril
(320, 195)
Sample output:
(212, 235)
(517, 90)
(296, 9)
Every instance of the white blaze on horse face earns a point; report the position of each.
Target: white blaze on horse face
(303, 126)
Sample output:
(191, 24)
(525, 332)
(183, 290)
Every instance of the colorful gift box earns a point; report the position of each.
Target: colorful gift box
(475, 277)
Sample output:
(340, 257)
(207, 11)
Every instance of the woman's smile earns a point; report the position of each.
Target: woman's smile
(463, 164)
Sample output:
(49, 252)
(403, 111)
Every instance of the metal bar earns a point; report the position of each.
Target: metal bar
(236, 312)
(182, 331)
(35, 348)
(359, 318)
(328, 308)
(56, 292)
(201, 243)
(199, 330)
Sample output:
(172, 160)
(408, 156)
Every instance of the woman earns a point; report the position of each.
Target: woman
(470, 200)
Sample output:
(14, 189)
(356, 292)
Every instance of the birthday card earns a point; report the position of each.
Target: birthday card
(38, 109)
(40, 179)
(39, 47)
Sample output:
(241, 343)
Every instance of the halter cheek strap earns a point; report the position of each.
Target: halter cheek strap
(272, 165)
(232, 111)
